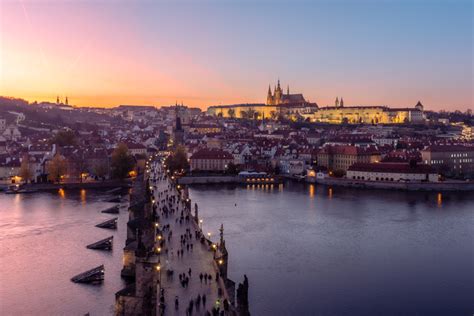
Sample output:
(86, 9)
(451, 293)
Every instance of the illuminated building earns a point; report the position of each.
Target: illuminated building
(367, 114)
(295, 106)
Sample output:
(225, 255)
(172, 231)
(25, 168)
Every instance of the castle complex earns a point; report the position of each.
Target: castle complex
(295, 106)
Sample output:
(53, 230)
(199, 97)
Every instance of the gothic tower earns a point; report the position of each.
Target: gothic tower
(278, 93)
(269, 96)
(341, 104)
(336, 103)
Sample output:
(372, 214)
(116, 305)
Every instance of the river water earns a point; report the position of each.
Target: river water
(307, 250)
(43, 244)
(312, 250)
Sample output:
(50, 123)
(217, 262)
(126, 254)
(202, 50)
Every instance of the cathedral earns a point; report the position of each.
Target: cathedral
(278, 97)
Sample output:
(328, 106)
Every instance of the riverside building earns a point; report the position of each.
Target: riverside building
(392, 172)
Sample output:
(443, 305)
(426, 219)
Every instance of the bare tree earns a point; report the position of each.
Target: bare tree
(56, 168)
(25, 171)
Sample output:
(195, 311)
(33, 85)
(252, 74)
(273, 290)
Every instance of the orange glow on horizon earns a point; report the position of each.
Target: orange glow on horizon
(101, 54)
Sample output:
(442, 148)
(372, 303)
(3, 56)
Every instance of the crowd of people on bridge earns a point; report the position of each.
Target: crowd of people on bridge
(171, 203)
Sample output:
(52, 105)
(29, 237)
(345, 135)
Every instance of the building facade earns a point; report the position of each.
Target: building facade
(342, 157)
(210, 160)
(392, 172)
(368, 114)
(456, 159)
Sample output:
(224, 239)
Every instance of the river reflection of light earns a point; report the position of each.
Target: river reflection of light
(62, 193)
(439, 199)
(311, 191)
(17, 199)
(264, 187)
(330, 193)
(83, 196)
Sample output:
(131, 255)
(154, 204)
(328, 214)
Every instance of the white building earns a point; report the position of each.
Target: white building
(392, 172)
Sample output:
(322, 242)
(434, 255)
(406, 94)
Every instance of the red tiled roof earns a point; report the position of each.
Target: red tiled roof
(212, 154)
(349, 150)
(449, 148)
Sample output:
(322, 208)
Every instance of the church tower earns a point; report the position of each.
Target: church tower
(278, 93)
(269, 96)
(336, 103)
(341, 104)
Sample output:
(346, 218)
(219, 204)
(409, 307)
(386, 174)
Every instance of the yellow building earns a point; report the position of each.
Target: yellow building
(367, 114)
(254, 111)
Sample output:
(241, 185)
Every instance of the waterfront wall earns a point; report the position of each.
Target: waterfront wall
(408, 186)
(77, 185)
(208, 180)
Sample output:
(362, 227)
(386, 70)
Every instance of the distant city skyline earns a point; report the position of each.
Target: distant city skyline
(209, 53)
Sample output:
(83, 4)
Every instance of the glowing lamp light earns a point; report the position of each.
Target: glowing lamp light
(221, 261)
(158, 268)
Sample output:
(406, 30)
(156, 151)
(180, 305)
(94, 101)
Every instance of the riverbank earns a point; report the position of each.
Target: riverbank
(406, 186)
(227, 180)
(39, 187)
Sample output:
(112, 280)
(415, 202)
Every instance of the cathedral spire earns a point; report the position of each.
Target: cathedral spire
(337, 102)
(288, 89)
(269, 96)
(341, 104)
(279, 88)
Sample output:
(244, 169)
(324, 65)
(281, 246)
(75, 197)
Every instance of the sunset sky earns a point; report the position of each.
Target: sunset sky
(106, 53)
